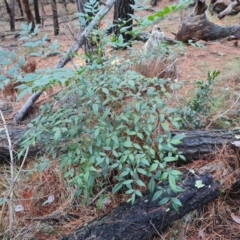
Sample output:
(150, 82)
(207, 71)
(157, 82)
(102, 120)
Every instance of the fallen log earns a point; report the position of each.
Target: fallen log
(197, 143)
(196, 27)
(147, 218)
(229, 9)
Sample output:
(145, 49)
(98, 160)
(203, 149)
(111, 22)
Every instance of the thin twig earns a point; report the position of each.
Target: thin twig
(95, 198)
(156, 230)
(220, 115)
(13, 183)
(13, 180)
(11, 212)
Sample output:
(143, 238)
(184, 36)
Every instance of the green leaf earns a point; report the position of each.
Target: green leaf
(96, 132)
(142, 171)
(153, 167)
(105, 90)
(95, 108)
(130, 191)
(117, 188)
(127, 182)
(157, 195)
(164, 201)
(170, 159)
(176, 201)
(137, 106)
(152, 185)
(140, 183)
(164, 176)
(138, 193)
(165, 127)
(12, 56)
(127, 144)
(175, 173)
(57, 136)
(137, 146)
(172, 183)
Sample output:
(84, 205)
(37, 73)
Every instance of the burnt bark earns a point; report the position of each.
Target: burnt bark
(28, 13)
(20, 7)
(36, 10)
(196, 144)
(55, 17)
(196, 27)
(122, 19)
(143, 219)
(10, 11)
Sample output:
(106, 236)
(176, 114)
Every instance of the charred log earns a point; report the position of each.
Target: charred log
(196, 144)
(146, 218)
(196, 27)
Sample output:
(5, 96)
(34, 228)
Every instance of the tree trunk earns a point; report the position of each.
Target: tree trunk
(196, 144)
(12, 18)
(28, 13)
(197, 27)
(55, 17)
(10, 11)
(146, 218)
(87, 46)
(122, 19)
(90, 45)
(20, 7)
(36, 10)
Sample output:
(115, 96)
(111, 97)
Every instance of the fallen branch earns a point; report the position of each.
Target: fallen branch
(197, 143)
(68, 56)
(196, 26)
(229, 9)
(146, 218)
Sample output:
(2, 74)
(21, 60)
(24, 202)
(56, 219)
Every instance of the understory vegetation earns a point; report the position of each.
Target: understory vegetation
(109, 127)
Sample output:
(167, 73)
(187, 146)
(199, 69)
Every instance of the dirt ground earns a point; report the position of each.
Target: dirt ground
(214, 221)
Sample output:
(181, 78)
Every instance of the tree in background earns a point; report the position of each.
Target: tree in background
(87, 10)
(123, 19)
(28, 13)
(10, 11)
(36, 10)
(55, 17)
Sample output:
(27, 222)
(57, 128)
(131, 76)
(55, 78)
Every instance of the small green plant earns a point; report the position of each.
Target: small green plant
(196, 44)
(112, 128)
(117, 126)
(199, 108)
(37, 47)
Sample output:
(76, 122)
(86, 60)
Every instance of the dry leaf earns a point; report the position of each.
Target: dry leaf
(235, 218)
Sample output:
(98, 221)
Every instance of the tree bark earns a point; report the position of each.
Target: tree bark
(12, 19)
(196, 144)
(146, 218)
(28, 13)
(89, 45)
(197, 27)
(122, 19)
(10, 11)
(20, 7)
(36, 10)
(68, 56)
(229, 9)
(55, 17)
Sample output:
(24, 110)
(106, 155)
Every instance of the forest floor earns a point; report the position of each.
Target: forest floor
(212, 222)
